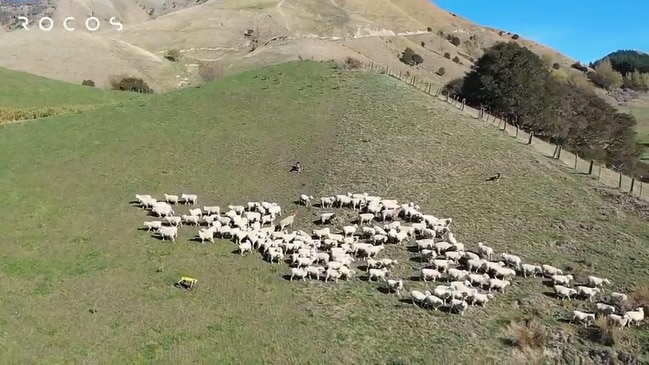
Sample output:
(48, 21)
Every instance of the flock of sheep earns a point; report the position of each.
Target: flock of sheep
(473, 277)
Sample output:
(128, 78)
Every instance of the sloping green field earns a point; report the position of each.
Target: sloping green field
(22, 90)
(79, 282)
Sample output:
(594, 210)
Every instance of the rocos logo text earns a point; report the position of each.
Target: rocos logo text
(92, 23)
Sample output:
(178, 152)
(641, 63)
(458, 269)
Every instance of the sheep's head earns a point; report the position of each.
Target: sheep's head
(606, 281)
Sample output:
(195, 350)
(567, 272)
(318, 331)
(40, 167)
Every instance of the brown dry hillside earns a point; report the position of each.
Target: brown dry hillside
(370, 30)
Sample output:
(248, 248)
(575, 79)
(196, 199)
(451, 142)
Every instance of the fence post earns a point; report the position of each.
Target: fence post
(641, 184)
(632, 183)
(529, 141)
(463, 103)
(516, 136)
(554, 154)
(504, 125)
(576, 161)
(590, 168)
(619, 181)
(599, 173)
(559, 152)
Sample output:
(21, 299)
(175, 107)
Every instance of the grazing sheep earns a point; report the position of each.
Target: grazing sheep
(635, 316)
(480, 298)
(427, 255)
(286, 222)
(441, 247)
(618, 297)
(442, 265)
(512, 260)
(459, 306)
(533, 270)
(299, 272)
(561, 279)
(582, 317)
(267, 219)
(418, 297)
(196, 212)
(153, 225)
(332, 274)
(326, 217)
(474, 265)
(365, 217)
(171, 199)
(206, 234)
(244, 247)
(377, 274)
(162, 210)
(168, 232)
(388, 262)
(379, 239)
(305, 199)
(586, 292)
(564, 292)
(457, 275)
(618, 321)
(189, 199)
(498, 284)
(191, 219)
(350, 230)
(327, 202)
(395, 286)
(275, 256)
(504, 273)
(594, 281)
(549, 270)
(454, 256)
(315, 271)
(429, 274)
(605, 309)
(432, 301)
(479, 279)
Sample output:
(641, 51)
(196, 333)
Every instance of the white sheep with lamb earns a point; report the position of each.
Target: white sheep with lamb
(474, 276)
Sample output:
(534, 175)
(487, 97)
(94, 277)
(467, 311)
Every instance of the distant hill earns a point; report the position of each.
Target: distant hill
(625, 61)
(368, 30)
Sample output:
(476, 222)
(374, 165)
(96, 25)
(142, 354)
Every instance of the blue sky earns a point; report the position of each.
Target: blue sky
(582, 30)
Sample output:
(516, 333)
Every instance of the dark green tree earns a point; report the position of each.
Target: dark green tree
(513, 81)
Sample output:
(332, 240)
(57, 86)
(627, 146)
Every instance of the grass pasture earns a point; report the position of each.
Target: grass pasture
(71, 241)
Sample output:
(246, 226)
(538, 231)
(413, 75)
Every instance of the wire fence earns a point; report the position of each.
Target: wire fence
(591, 168)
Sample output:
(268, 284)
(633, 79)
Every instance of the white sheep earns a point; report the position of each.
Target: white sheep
(379, 239)
(168, 232)
(275, 256)
(365, 217)
(332, 274)
(305, 199)
(549, 270)
(418, 297)
(456, 274)
(498, 284)
(252, 216)
(504, 273)
(480, 298)
(582, 317)
(192, 219)
(485, 251)
(323, 232)
(605, 309)
(618, 297)
(350, 230)
(425, 244)
(206, 234)
(529, 269)
(635, 316)
(267, 219)
(475, 264)
(432, 301)
(512, 260)
(459, 305)
(597, 282)
(454, 256)
(427, 255)
(471, 256)
(561, 279)
(162, 210)
(171, 199)
(587, 292)
(441, 247)
(189, 198)
(441, 265)
(153, 225)
(429, 274)
(196, 212)
(238, 209)
(315, 271)
(346, 273)
(327, 201)
(618, 320)
(478, 279)
(326, 217)
(377, 274)
(395, 286)
(564, 292)
(388, 262)
(244, 247)
(299, 272)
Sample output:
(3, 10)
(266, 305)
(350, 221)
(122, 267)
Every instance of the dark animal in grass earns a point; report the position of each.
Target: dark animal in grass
(494, 178)
(296, 167)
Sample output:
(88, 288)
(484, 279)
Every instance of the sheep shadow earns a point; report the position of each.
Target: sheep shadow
(384, 290)
(235, 251)
(287, 277)
(407, 301)
(144, 229)
(134, 202)
(548, 283)
(298, 202)
(197, 239)
(317, 205)
(415, 278)
(417, 259)
(550, 294)
(412, 249)
(363, 267)
(318, 222)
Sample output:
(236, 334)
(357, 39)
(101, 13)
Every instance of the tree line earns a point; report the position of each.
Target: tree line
(626, 69)
(514, 83)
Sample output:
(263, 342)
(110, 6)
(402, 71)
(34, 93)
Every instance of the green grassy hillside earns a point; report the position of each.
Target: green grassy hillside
(71, 241)
(22, 90)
